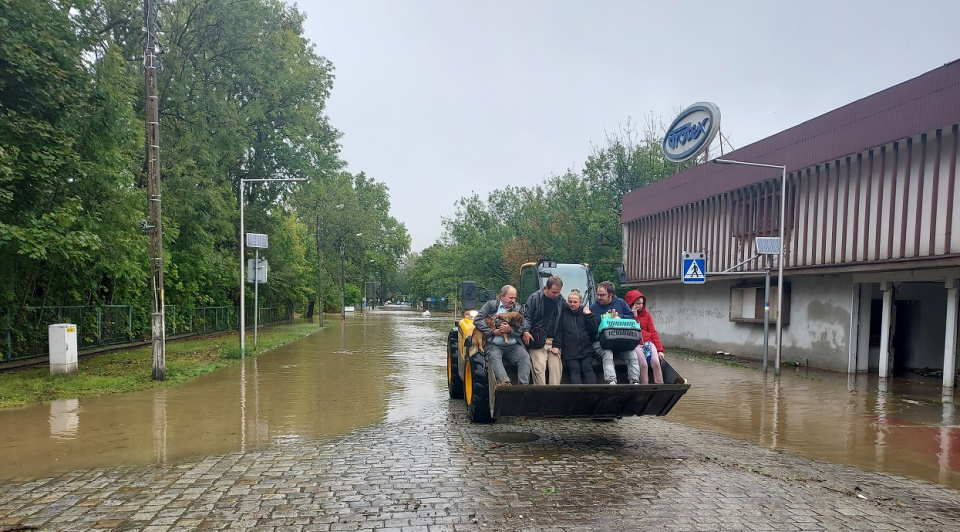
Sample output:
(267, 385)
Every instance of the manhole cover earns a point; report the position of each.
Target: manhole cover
(512, 437)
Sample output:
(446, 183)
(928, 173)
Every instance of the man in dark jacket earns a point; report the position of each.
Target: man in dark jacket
(607, 301)
(543, 311)
(497, 347)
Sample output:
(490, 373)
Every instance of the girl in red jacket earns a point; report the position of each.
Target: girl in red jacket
(650, 350)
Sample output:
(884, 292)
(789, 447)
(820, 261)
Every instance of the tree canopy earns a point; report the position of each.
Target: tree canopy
(574, 217)
(242, 95)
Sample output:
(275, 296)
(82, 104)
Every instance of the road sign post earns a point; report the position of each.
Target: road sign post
(694, 268)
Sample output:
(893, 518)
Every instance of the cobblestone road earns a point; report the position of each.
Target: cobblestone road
(438, 472)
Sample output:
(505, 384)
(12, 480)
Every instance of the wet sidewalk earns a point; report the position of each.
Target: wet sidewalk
(436, 471)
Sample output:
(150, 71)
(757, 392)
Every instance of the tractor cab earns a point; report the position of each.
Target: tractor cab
(534, 275)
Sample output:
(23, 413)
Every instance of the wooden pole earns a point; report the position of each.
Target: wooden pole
(154, 226)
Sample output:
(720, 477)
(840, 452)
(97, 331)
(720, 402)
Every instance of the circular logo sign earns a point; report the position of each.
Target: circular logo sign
(691, 132)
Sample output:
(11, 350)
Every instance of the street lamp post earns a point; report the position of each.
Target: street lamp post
(364, 278)
(339, 206)
(243, 286)
(783, 203)
(343, 310)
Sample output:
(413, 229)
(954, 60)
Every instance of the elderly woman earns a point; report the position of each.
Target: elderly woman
(575, 336)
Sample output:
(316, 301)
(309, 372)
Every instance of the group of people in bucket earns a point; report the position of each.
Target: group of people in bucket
(559, 334)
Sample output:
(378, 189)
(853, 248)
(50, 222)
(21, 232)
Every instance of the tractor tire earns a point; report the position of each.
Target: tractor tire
(454, 382)
(476, 394)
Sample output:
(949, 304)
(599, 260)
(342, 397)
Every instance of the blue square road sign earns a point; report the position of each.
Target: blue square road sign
(694, 268)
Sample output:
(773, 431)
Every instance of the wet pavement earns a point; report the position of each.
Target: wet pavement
(401, 456)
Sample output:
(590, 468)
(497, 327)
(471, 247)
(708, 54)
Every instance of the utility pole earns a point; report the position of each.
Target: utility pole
(154, 224)
(319, 271)
(343, 311)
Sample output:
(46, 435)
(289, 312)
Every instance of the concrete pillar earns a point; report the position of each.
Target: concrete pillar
(950, 335)
(866, 316)
(854, 328)
(885, 359)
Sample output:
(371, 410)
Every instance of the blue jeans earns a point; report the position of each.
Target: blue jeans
(610, 373)
(515, 354)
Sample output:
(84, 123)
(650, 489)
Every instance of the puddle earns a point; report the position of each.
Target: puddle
(512, 437)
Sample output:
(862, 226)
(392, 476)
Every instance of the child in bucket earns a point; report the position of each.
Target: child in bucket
(650, 350)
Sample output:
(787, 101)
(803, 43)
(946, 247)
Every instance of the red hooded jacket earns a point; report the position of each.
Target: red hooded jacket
(645, 319)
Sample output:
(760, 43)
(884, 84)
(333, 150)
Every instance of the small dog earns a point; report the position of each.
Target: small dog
(478, 342)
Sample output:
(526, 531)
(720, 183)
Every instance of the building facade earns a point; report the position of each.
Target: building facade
(871, 238)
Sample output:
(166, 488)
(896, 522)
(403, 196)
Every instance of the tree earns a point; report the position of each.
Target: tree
(67, 208)
(574, 217)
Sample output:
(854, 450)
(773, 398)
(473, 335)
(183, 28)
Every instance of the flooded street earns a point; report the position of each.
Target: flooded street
(902, 426)
(370, 370)
(388, 367)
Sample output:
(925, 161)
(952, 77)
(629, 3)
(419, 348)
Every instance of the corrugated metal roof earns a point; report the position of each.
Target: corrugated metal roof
(917, 106)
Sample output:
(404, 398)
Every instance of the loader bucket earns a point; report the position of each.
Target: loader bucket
(600, 401)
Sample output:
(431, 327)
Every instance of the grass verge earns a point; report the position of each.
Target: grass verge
(130, 370)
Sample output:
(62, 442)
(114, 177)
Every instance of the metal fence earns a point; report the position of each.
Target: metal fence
(117, 324)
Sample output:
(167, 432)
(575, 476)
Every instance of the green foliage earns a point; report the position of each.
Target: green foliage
(231, 353)
(574, 217)
(242, 95)
(349, 213)
(67, 142)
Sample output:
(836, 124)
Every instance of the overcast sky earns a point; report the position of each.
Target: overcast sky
(441, 98)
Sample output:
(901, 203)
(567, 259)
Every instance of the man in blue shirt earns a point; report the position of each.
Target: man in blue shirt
(607, 301)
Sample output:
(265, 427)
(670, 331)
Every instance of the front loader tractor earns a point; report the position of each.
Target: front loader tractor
(468, 378)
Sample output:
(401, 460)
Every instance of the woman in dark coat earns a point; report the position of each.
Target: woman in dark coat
(575, 336)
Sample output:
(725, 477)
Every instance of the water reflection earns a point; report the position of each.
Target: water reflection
(904, 426)
(64, 419)
(363, 371)
(160, 427)
(947, 432)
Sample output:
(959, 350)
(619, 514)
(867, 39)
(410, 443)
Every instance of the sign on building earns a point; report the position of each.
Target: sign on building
(691, 132)
(694, 268)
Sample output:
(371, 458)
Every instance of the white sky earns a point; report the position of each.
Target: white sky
(441, 98)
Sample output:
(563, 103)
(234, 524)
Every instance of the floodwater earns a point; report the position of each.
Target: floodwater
(907, 426)
(388, 366)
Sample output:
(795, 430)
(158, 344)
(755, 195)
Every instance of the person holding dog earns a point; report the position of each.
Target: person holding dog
(607, 301)
(541, 314)
(504, 341)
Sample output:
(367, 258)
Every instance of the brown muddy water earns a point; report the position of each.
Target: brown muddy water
(388, 366)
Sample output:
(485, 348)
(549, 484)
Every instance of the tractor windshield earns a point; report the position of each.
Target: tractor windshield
(574, 275)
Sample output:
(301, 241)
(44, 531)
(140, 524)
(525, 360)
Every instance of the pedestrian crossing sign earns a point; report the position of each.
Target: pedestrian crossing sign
(694, 268)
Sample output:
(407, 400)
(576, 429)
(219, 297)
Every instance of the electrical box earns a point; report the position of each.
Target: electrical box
(63, 348)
